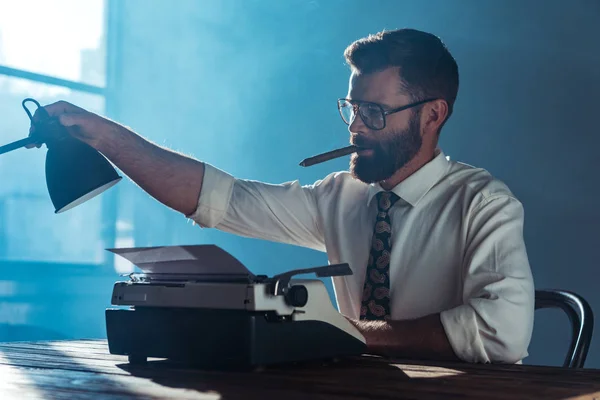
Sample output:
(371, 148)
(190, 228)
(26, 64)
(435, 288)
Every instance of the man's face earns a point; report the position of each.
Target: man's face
(388, 149)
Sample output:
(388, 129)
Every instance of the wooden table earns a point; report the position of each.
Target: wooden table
(84, 369)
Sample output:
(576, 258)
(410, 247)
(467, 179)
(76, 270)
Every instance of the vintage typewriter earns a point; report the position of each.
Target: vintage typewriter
(199, 305)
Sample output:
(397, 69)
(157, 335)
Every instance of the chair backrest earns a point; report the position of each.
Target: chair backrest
(582, 321)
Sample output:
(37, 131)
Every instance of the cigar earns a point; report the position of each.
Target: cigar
(330, 155)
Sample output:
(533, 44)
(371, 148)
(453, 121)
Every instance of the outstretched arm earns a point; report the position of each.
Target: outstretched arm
(172, 178)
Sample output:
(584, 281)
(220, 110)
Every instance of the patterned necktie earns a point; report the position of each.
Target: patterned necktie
(376, 291)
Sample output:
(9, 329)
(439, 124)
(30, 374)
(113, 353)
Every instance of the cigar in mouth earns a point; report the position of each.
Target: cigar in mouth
(330, 155)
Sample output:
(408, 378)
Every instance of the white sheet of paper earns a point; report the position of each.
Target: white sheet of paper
(189, 260)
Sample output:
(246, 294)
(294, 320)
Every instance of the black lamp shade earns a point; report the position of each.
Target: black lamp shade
(75, 173)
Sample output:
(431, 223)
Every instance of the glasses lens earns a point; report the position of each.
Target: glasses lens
(346, 111)
(371, 115)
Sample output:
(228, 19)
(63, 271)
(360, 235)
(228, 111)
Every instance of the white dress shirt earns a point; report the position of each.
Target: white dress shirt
(457, 245)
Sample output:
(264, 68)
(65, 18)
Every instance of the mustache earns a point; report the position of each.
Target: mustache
(363, 142)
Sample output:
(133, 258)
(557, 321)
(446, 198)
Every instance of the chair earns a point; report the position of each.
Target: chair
(581, 317)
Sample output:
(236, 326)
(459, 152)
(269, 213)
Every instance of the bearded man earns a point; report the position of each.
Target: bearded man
(440, 269)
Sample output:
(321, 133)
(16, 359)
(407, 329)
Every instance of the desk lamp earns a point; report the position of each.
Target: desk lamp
(75, 171)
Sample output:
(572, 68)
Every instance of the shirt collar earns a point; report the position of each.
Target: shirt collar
(416, 186)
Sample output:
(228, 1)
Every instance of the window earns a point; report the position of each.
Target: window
(54, 56)
(58, 38)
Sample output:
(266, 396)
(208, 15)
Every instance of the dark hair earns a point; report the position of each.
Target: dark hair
(427, 69)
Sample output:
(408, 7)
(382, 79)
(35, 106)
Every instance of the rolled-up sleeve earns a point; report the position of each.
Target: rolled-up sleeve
(217, 188)
(285, 213)
(495, 322)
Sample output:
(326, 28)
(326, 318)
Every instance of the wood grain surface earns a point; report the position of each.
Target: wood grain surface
(84, 369)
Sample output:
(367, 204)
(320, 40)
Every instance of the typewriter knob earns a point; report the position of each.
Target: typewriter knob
(296, 296)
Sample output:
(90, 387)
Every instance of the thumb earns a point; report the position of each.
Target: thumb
(72, 119)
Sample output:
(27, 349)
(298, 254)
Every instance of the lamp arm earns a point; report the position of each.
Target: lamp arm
(37, 137)
(18, 144)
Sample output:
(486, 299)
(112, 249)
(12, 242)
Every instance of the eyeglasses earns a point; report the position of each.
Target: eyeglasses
(372, 114)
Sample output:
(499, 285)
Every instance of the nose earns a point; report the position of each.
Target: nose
(356, 125)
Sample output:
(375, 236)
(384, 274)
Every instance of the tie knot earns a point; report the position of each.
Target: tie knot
(385, 200)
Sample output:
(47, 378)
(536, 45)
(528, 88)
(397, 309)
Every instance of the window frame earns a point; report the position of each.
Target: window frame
(112, 28)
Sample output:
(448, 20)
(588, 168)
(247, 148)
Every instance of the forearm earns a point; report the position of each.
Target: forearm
(172, 178)
(422, 338)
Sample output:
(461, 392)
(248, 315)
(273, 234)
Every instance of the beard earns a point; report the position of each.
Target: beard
(392, 151)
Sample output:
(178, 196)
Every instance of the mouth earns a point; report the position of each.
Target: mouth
(361, 143)
(364, 151)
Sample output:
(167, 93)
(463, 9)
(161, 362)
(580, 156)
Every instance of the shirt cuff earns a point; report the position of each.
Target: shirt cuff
(462, 330)
(214, 198)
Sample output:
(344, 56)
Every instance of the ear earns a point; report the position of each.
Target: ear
(433, 116)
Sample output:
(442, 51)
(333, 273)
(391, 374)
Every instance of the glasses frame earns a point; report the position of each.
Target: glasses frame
(356, 105)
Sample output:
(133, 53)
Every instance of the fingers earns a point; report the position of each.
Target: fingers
(68, 120)
(55, 110)
(62, 107)
(67, 114)
(32, 145)
(78, 122)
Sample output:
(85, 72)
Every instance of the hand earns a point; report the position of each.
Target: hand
(422, 337)
(79, 123)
